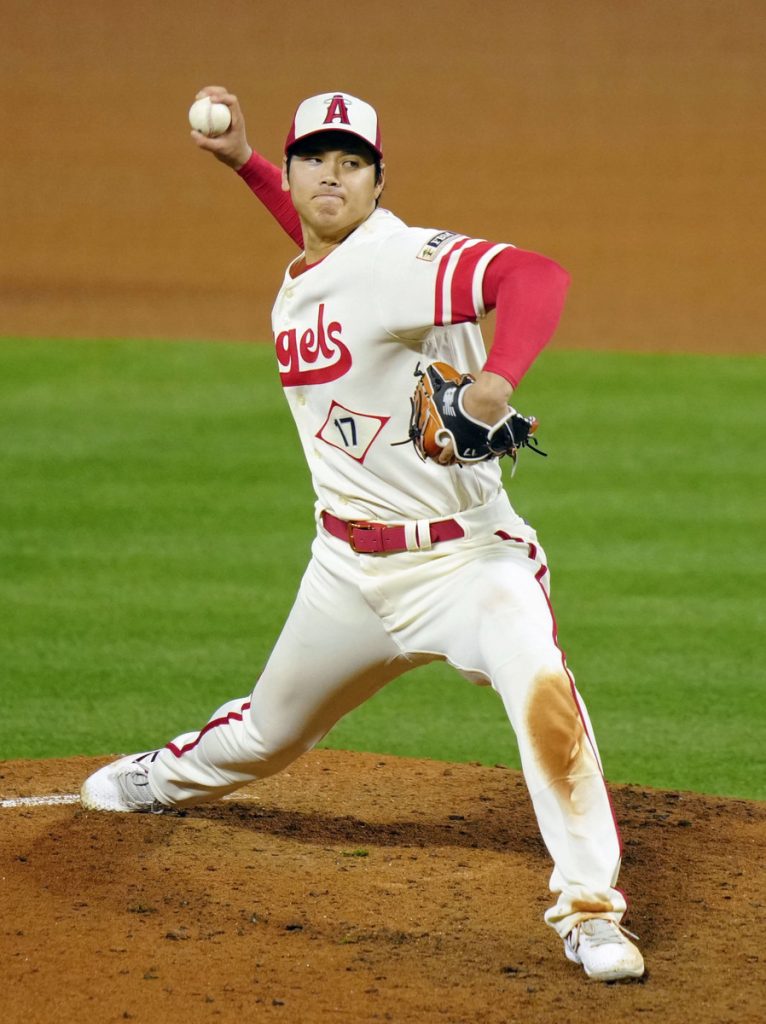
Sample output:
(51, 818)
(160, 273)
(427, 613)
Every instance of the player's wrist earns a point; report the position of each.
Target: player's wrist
(493, 386)
(487, 398)
(242, 158)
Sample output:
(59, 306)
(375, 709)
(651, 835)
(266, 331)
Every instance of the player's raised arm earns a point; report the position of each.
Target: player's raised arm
(261, 177)
(265, 180)
(231, 147)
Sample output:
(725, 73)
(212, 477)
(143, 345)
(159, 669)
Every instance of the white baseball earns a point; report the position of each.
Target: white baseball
(209, 118)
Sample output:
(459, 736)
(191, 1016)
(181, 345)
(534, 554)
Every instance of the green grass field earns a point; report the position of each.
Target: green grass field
(156, 516)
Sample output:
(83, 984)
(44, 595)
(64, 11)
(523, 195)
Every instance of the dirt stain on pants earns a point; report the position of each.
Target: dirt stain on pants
(556, 731)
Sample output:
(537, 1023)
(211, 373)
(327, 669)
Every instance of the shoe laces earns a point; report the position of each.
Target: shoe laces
(138, 777)
(135, 784)
(600, 933)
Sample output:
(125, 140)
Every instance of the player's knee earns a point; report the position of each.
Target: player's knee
(275, 745)
(554, 725)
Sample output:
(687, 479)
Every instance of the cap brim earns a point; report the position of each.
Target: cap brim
(334, 128)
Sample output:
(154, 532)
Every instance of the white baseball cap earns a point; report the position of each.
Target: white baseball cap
(339, 112)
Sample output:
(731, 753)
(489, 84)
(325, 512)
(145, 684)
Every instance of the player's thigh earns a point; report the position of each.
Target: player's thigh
(496, 618)
(331, 655)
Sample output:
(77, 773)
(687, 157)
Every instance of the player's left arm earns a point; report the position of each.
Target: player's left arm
(452, 279)
(527, 292)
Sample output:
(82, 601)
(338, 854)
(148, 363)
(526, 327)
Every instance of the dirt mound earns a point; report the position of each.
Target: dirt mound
(356, 887)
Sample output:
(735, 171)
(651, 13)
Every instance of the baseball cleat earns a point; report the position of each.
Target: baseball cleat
(122, 786)
(603, 950)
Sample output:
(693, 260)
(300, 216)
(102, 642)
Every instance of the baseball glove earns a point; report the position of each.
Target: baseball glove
(438, 417)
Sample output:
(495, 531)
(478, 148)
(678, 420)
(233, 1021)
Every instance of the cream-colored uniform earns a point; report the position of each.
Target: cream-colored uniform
(351, 333)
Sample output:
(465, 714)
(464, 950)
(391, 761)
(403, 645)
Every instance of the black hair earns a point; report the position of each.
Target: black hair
(321, 142)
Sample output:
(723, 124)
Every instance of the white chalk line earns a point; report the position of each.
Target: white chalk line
(58, 799)
(41, 801)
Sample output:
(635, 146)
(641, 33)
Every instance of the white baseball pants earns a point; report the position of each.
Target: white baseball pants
(359, 621)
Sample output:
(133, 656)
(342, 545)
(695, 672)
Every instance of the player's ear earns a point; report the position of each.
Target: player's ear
(381, 181)
(285, 180)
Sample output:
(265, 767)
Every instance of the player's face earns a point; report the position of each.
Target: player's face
(333, 190)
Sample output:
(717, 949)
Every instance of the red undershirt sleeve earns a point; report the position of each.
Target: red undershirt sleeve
(265, 180)
(527, 292)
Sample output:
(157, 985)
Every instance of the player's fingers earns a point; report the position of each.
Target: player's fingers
(219, 94)
(212, 90)
(229, 100)
(230, 149)
(207, 142)
(447, 455)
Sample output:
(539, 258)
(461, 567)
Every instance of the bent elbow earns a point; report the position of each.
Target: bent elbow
(559, 279)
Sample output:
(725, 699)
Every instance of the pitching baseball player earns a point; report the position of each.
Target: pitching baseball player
(419, 554)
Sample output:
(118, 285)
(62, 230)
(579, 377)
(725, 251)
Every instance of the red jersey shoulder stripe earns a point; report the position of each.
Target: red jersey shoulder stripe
(458, 289)
(442, 309)
(466, 295)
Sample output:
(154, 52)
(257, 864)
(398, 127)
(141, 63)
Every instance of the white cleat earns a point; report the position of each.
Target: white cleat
(122, 786)
(603, 950)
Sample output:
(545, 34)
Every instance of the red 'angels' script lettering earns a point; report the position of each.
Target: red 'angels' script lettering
(321, 345)
(337, 111)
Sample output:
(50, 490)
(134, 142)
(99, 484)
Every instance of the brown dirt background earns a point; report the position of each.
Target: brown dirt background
(355, 887)
(624, 139)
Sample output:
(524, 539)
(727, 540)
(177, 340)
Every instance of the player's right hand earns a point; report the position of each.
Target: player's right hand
(232, 147)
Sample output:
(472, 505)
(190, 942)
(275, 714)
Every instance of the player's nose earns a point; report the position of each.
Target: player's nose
(331, 169)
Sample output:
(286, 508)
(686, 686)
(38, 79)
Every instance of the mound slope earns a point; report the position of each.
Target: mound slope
(358, 887)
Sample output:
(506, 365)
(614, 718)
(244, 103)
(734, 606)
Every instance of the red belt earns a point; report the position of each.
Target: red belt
(376, 538)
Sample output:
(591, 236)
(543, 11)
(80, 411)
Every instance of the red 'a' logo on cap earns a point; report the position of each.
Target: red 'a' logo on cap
(337, 111)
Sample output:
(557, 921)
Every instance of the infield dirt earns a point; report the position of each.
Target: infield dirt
(356, 887)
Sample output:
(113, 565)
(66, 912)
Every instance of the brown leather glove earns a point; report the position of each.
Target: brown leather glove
(438, 417)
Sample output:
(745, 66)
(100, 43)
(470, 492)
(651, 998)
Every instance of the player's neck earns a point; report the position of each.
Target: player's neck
(315, 250)
(320, 243)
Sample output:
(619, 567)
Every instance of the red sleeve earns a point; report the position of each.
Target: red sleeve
(265, 180)
(525, 289)
(527, 292)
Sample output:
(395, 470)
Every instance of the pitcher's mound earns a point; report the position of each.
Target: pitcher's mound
(359, 887)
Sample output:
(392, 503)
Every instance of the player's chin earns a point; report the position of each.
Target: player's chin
(326, 213)
(328, 204)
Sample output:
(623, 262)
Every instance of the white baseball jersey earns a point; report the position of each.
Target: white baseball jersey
(351, 333)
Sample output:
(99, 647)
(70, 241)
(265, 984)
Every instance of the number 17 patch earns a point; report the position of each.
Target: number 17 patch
(351, 432)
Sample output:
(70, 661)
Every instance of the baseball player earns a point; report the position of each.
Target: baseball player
(418, 554)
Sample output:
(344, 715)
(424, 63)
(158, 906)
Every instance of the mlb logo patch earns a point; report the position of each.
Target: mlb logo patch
(428, 251)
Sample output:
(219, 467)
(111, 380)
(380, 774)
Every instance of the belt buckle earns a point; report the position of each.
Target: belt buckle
(350, 527)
